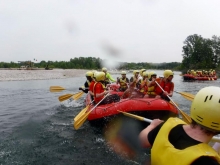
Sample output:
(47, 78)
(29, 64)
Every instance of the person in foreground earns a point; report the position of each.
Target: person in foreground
(177, 143)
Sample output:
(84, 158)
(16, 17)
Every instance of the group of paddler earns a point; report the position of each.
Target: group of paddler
(141, 84)
(202, 73)
(146, 84)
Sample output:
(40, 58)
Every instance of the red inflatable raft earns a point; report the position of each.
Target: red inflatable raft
(147, 107)
(188, 77)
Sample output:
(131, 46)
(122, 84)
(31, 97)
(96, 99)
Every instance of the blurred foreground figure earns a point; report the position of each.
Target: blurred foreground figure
(177, 143)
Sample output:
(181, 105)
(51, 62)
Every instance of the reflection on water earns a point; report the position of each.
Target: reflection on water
(37, 129)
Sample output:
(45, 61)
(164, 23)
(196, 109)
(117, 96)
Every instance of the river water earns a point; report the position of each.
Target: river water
(37, 129)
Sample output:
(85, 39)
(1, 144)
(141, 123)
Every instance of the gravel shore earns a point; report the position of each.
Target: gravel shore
(21, 75)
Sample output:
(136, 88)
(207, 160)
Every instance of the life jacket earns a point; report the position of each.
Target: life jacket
(151, 90)
(167, 86)
(95, 89)
(163, 152)
(134, 85)
(91, 86)
(144, 89)
(123, 83)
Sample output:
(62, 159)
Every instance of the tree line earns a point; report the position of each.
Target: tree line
(92, 63)
(198, 53)
(201, 53)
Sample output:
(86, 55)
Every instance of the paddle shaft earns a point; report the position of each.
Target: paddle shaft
(136, 117)
(99, 103)
(167, 95)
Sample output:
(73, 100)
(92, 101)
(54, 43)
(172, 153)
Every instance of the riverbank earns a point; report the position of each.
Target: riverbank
(21, 75)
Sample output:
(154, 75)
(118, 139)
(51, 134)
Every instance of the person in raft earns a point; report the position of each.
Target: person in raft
(152, 77)
(91, 85)
(141, 72)
(177, 143)
(123, 82)
(108, 77)
(166, 84)
(144, 84)
(89, 79)
(100, 91)
(132, 91)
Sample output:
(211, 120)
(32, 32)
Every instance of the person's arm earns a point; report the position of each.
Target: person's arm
(132, 81)
(99, 91)
(110, 77)
(152, 82)
(170, 94)
(86, 87)
(143, 136)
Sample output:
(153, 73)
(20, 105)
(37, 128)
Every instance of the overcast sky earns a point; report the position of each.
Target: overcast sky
(123, 30)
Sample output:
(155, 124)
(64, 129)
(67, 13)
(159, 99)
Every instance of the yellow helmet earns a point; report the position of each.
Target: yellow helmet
(168, 73)
(141, 72)
(150, 74)
(89, 74)
(100, 76)
(145, 74)
(205, 108)
(95, 74)
(104, 69)
(123, 72)
(135, 71)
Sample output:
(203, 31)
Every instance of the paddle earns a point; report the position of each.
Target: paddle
(136, 117)
(185, 117)
(81, 113)
(56, 89)
(186, 95)
(76, 96)
(82, 118)
(216, 139)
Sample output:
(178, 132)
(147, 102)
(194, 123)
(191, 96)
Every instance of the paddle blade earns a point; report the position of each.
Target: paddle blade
(81, 113)
(56, 89)
(186, 95)
(78, 95)
(79, 121)
(65, 97)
